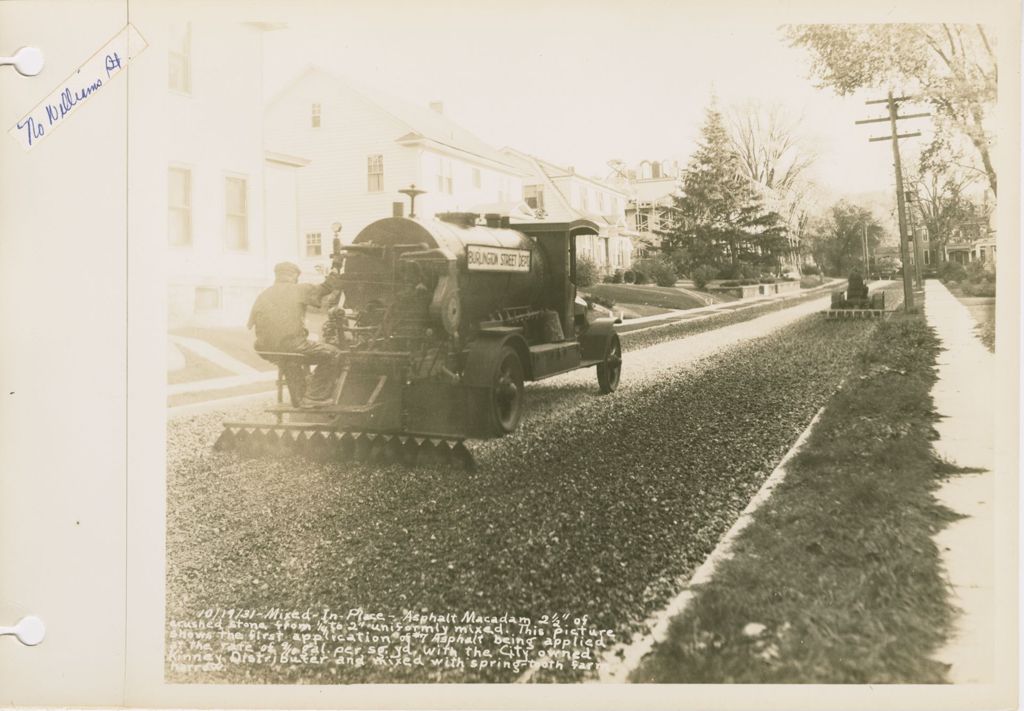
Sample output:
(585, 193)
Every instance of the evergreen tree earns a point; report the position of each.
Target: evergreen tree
(719, 218)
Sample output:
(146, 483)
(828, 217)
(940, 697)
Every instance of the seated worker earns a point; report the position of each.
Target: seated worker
(279, 317)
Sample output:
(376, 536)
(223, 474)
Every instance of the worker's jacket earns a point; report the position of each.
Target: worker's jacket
(279, 314)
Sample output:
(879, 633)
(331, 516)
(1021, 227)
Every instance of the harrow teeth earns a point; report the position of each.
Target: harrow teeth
(330, 445)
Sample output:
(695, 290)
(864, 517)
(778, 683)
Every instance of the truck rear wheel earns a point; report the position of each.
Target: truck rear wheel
(499, 407)
(610, 369)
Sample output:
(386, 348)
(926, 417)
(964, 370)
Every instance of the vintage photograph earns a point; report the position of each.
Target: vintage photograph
(571, 343)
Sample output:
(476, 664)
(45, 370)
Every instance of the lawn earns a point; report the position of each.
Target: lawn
(837, 578)
(664, 297)
(196, 368)
(236, 342)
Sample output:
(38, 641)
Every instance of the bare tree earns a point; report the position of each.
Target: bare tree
(947, 200)
(770, 146)
(772, 151)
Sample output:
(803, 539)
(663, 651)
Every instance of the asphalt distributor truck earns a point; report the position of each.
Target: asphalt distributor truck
(441, 322)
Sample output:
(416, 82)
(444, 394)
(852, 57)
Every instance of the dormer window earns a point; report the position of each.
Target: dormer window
(315, 116)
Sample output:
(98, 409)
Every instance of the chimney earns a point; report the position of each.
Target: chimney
(437, 106)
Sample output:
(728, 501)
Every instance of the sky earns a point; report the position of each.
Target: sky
(581, 83)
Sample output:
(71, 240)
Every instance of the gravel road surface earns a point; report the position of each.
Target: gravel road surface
(593, 507)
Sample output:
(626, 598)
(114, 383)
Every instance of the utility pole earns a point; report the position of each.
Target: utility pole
(892, 103)
(918, 259)
(867, 259)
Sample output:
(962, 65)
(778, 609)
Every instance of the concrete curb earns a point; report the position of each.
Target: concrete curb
(619, 661)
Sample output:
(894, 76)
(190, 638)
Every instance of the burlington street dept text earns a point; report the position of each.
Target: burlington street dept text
(218, 638)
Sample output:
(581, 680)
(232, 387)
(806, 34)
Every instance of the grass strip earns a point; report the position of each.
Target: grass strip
(837, 578)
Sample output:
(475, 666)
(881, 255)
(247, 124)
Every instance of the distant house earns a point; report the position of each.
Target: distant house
(650, 186)
(199, 169)
(972, 240)
(364, 147)
(982, 249)
(562, 195)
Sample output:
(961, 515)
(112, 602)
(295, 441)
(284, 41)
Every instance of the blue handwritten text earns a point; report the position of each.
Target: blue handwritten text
(34, 130)
(112, 63)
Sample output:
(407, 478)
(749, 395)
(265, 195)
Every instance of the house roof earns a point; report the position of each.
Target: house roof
(557, 206)
(556, 171)
(424, 123)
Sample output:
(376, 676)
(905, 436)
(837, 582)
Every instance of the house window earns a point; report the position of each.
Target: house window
(375, 173)
(476, 177)
(315, 116)
(641, 222)
(179, 207)
(236, 234)
(444, 176)
(534, 196)
(207, 298)
(179, 60)
(981, 253)
(314, 244)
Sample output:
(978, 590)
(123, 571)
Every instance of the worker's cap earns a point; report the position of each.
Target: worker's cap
(286, 269)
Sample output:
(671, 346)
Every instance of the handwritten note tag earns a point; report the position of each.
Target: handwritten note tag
(79, 88)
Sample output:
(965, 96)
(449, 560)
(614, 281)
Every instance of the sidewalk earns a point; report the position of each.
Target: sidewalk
(963, 396)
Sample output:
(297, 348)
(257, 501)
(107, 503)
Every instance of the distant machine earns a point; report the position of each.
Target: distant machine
(856, 301)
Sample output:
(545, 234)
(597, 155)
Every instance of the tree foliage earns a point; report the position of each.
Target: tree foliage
(836, 239)
(952, 66)
(720, 217)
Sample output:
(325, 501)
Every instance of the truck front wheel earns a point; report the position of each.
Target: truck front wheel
(610, 369)
(500, 406)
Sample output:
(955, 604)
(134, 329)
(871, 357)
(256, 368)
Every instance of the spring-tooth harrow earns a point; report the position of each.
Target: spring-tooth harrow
(326, 444)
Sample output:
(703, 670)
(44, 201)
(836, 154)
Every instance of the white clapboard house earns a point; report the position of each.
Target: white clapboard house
(364, 146)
